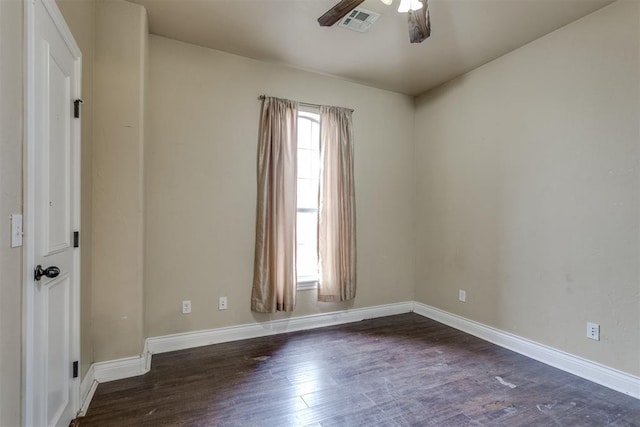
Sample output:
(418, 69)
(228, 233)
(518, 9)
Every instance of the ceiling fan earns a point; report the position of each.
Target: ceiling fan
(418, 19)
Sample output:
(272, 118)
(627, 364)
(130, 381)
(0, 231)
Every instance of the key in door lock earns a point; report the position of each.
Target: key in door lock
(50, 272)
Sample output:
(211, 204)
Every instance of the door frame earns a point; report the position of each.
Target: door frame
(30, 413)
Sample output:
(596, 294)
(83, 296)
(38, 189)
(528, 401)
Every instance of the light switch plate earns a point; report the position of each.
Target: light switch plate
(16, 230)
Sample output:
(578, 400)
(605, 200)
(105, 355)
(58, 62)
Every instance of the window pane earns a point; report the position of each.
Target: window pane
(315, 136)
(304, 132)
(304, 163)
(315, 165)
(307, 193)
(308, 181)
(307, 256)
(307, 228)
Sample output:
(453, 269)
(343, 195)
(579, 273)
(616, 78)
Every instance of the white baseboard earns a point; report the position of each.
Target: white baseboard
(101, 372)
(88, 387)
(120, 368)
(592, 371)
(186, 340)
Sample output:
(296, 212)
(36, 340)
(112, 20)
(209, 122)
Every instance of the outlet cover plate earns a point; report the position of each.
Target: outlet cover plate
(222, 303)
(16, 230)
(462, 296)
(186, 306)
(593, 331)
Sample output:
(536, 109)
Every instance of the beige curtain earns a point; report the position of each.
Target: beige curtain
(274, 271)
(336, 207)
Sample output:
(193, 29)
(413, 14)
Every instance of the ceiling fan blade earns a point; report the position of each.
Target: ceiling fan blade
(419, 23)
(336, 13)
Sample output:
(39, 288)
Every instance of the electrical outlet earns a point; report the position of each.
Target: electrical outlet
(186, 306)
(222, 303)
(462, 296)
(593, 331)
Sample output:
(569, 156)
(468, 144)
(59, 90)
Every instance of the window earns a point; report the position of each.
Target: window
(326, 241)
(307, 215)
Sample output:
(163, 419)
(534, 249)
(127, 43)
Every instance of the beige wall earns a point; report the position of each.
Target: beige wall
(11, 104)
(201, 185)
(79, 15)
(528, 190)
(117, 195)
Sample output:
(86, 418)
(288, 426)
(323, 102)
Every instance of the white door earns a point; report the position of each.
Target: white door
(56, 85)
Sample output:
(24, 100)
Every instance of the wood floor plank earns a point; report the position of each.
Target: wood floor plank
(402, 370)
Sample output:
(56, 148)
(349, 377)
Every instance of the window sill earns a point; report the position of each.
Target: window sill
(307, 285)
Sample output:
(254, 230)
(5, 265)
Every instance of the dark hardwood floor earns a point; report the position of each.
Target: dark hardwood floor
(392, 371)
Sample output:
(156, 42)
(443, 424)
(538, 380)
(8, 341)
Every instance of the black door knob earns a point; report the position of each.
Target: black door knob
(50, 272)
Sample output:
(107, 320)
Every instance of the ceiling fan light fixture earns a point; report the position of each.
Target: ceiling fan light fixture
(387, 2)
(407, 5)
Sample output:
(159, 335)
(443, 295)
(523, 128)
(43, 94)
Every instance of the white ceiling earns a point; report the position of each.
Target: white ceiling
(465, 34)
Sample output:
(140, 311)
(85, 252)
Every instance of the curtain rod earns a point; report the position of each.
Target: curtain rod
(305, 104)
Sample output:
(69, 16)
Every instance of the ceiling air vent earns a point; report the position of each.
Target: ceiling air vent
(359, 20)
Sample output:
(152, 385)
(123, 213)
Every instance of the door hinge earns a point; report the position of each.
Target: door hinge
(76, 239)
(75, 369)
(76, 108)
